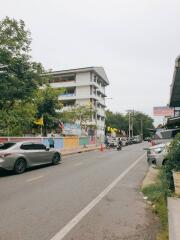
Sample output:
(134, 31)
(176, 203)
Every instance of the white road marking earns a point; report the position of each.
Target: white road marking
(34, 178)
(78, 164)
(72, 223)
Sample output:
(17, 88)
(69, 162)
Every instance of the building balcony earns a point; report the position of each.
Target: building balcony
(101, 112)
(67, 108)
(100, 123)
(95, 96)
(65, 84)
(99, 88)
(67, 96)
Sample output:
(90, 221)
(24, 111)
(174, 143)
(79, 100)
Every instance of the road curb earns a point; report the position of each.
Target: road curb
(150, 177)
(80, 151)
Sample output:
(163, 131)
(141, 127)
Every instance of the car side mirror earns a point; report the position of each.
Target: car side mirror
(47, 149)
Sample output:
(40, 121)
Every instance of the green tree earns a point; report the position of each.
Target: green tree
(48, 105)
(141, 120)
(19, 76)
(120, 121)
(81, 114)
(116, 120)
(18, 120)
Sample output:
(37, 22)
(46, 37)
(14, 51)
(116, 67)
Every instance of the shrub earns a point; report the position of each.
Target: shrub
(157, 193)
(173, 161)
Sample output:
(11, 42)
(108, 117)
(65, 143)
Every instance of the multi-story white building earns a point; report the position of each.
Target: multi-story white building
(83, 86)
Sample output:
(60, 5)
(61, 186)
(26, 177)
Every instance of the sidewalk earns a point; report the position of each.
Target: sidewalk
(173, 206)
(174, 218)
(82, 149)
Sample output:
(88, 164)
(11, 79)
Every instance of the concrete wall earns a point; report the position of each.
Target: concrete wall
(83, 78)
(82, 101)
(82, 92)
(59, 142)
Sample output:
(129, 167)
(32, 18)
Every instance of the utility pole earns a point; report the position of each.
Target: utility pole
(96, 128)
(142, 128)
(129, 124)
(132, 127)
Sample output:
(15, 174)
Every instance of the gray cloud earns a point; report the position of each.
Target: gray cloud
(135, 41)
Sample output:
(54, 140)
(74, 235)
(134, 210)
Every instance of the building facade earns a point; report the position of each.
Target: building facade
(83, 86)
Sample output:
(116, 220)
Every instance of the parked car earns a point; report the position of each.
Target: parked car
(129, 141)
(157, 154)
(18, 156)
(148, 139)
(112, 142)
(124, 142)
(137, 139)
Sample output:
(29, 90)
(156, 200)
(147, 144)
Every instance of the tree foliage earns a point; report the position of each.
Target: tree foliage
(81, 114)
(21, 99)
(172, 161)
(17, 120)
(116, 120)
(120, 121)
(19, 76)
(48, 105)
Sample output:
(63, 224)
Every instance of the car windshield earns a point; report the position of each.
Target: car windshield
(7, 145)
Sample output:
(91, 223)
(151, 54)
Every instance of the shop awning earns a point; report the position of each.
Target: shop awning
(175, 86)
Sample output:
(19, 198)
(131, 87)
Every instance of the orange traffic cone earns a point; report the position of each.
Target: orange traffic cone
(101, 148)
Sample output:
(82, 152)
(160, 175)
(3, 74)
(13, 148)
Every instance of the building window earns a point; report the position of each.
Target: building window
(91, 76)
(65, 78)
(95, 78)
(90, 90)
(94, 91)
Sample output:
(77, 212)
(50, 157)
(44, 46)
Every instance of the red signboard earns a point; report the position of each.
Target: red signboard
(163, 111)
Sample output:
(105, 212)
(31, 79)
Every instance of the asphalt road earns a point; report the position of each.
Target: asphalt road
(89, 196)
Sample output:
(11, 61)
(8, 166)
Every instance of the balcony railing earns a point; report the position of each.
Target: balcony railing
(67, 95)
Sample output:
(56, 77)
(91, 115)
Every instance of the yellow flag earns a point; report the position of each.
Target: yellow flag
(112, 130)
(39, 121)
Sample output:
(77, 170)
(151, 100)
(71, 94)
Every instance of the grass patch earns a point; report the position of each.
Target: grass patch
(157, 193)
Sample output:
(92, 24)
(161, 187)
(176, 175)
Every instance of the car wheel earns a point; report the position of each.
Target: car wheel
(20, 166)
(56, 159)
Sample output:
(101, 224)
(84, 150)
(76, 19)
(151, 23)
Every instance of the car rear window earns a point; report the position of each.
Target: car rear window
(7, 145)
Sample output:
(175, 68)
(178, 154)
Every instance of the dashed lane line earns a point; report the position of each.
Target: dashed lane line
(35, 178)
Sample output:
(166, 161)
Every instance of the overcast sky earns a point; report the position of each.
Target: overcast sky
(136, 41)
